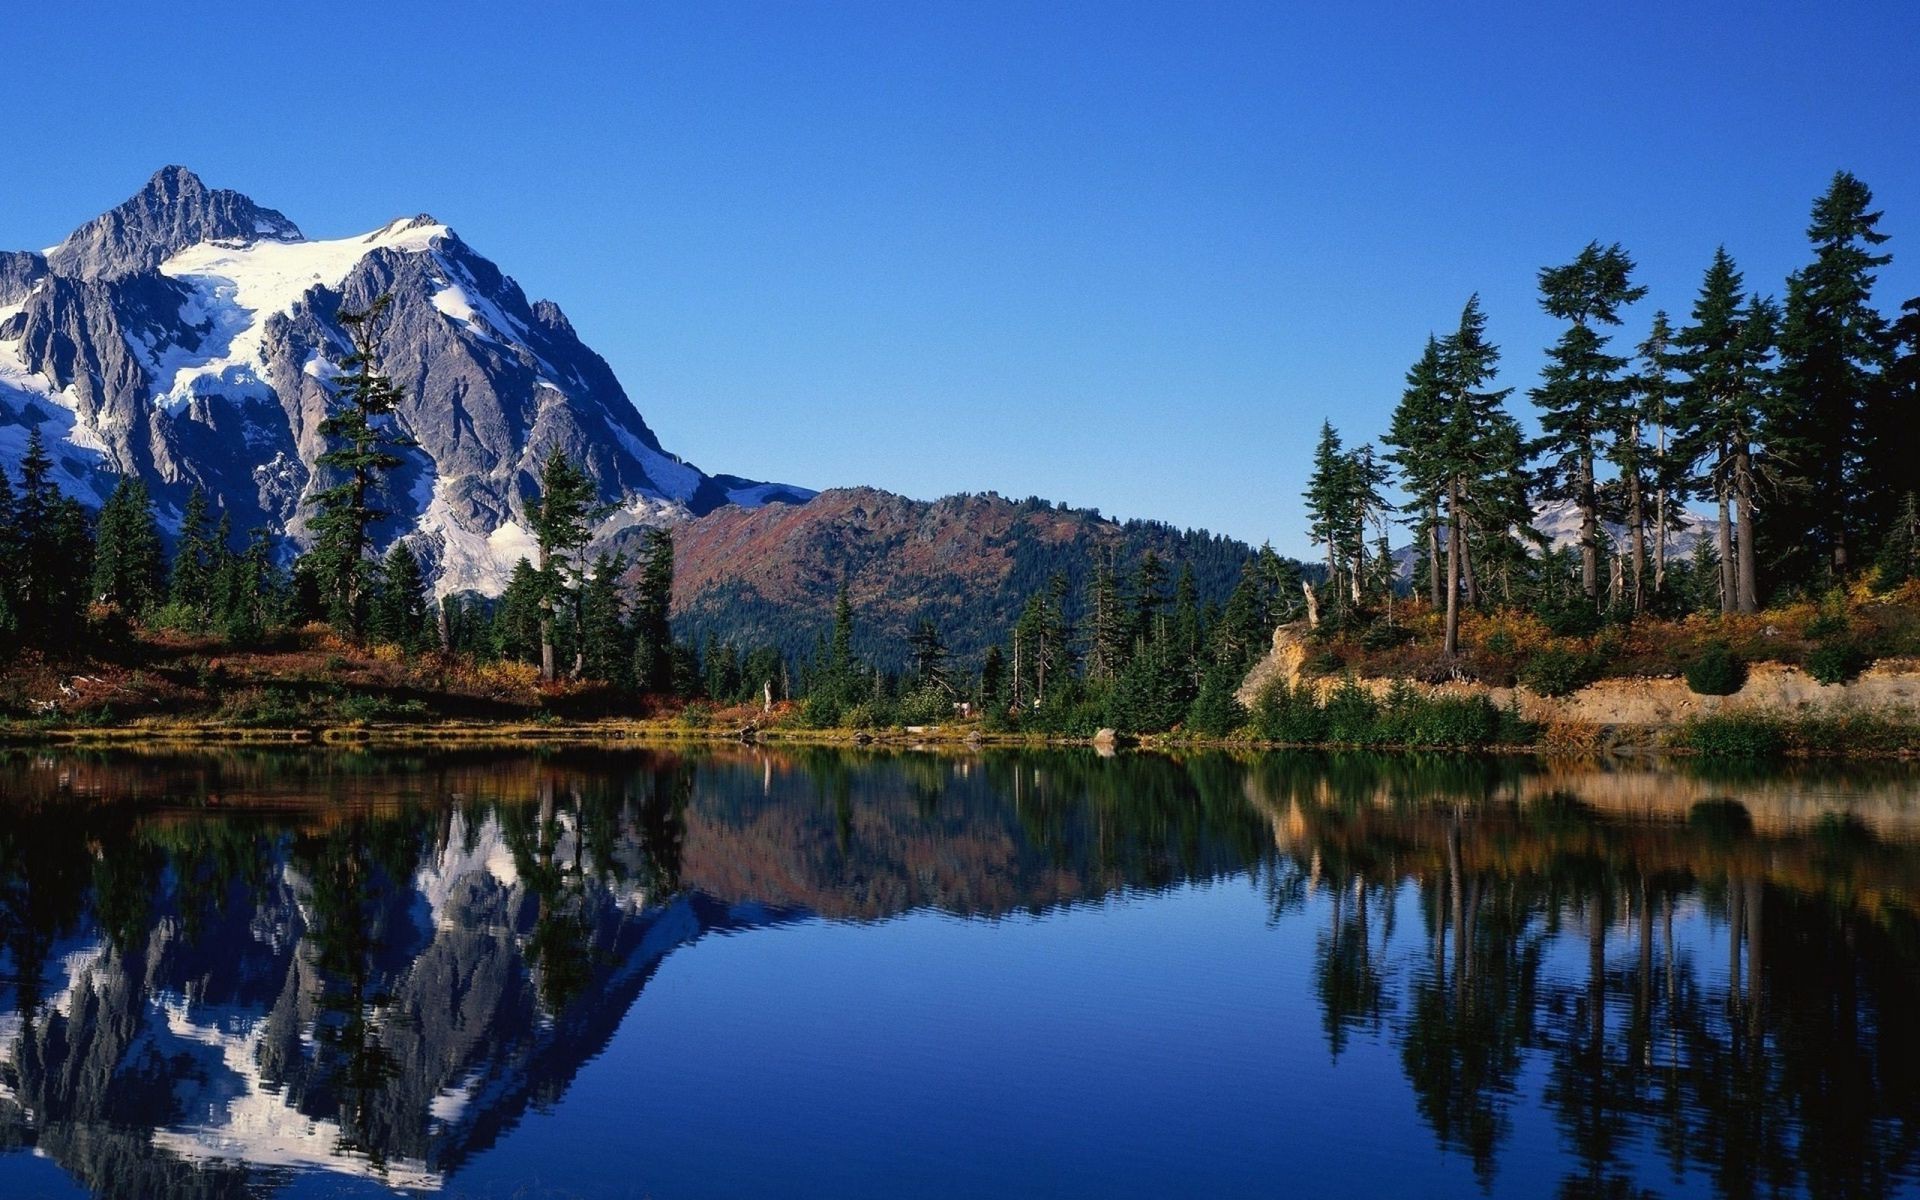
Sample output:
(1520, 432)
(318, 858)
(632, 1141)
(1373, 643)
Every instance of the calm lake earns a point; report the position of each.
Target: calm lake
(754, 972)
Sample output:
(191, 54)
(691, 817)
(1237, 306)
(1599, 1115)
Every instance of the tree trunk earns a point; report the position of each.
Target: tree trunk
(546, 624)
(1313, 605)
(1589, 533)
(445, 625)
(1636, 530)
(1453, 571)
(1725, 546)
(1748, 599)
(1433, 550)
(1660, 518)
(1467, 575)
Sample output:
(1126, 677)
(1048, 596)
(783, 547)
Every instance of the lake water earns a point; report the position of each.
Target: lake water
(745, 972)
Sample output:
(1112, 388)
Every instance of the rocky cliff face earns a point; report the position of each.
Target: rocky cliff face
(189, 335)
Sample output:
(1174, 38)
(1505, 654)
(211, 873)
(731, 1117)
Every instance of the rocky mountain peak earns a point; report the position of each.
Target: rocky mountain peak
(172, 211)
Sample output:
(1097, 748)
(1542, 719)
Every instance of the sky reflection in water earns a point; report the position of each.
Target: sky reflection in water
(738, 971)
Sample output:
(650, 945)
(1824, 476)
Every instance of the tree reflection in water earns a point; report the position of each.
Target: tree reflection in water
(222, 970)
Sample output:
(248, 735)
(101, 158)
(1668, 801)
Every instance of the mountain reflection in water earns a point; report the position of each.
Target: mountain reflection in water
(242, 974)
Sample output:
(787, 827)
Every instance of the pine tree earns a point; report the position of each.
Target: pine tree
(603, 626)
(1726, 349)
(517, 617)
(1413, 440)
(1833, 349)
(129, 563)
(1326, 501)
(929, 654)
(560, 520)
(1891, 430)
(1477, 452)
(1656, 392)
(652, 606)
(193, 562)
(1582, 394)
(55, 554)
(362, 441)
(400, 613)
(1109, 624)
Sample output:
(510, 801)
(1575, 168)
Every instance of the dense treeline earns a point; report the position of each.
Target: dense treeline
(1791, 419)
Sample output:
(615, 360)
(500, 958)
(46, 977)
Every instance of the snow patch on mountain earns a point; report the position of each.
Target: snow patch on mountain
(239, 287)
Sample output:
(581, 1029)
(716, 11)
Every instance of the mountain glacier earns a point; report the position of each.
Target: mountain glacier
(189, 335)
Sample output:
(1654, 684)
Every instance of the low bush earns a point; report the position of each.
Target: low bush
(1731, 736)
(1556, 671)
(1835, 662)
(1718, 671)
(1574, 617)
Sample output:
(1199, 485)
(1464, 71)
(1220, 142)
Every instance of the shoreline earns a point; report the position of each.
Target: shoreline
(1604, 742)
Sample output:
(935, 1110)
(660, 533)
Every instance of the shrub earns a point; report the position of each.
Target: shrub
(928, 706)
(1284, 714)
(1382, 636)
(1351, 714)
(1453, 722)
(1500, 641)
(1557, 672)
(1717, 672)
(1572, 617)
(695, 716)
(1731, 735)
(820, 712)
(1835, 662)
(1828, 626)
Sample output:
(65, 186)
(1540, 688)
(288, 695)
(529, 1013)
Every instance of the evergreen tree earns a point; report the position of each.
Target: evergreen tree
(251, 592)
(129, 563)
(400, 612)
(55, 555)
(361, 441)
(1328, 511)
(1582, 394)
(192, 583)
(517, 617)
(1477, 454)
(1413, 441)
(604, 640)
(1726, 349)
(929, 654)
(652, 606)
(1833, 349)
(560, 520)
(1891, 429)
(1109, 624)
(1655, 470)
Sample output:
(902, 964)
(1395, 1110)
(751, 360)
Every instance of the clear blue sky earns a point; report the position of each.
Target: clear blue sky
(1124, 255)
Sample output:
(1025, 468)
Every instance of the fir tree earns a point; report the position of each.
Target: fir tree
(603, 627)
(1832, 349)
(929, 653)
(400, 613)
(361, 442)
(517, 616)
(193, 561)
(560, 520)
(1477, 453)
(1413, 440)
(1582, 395)
(652, 605)
(55, 545)
(1656, 392)
(1726, 349)
(129, 563)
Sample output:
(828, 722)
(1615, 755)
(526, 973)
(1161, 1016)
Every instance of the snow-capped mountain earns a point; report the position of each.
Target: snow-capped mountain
(1559, 522)
(188, 335)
